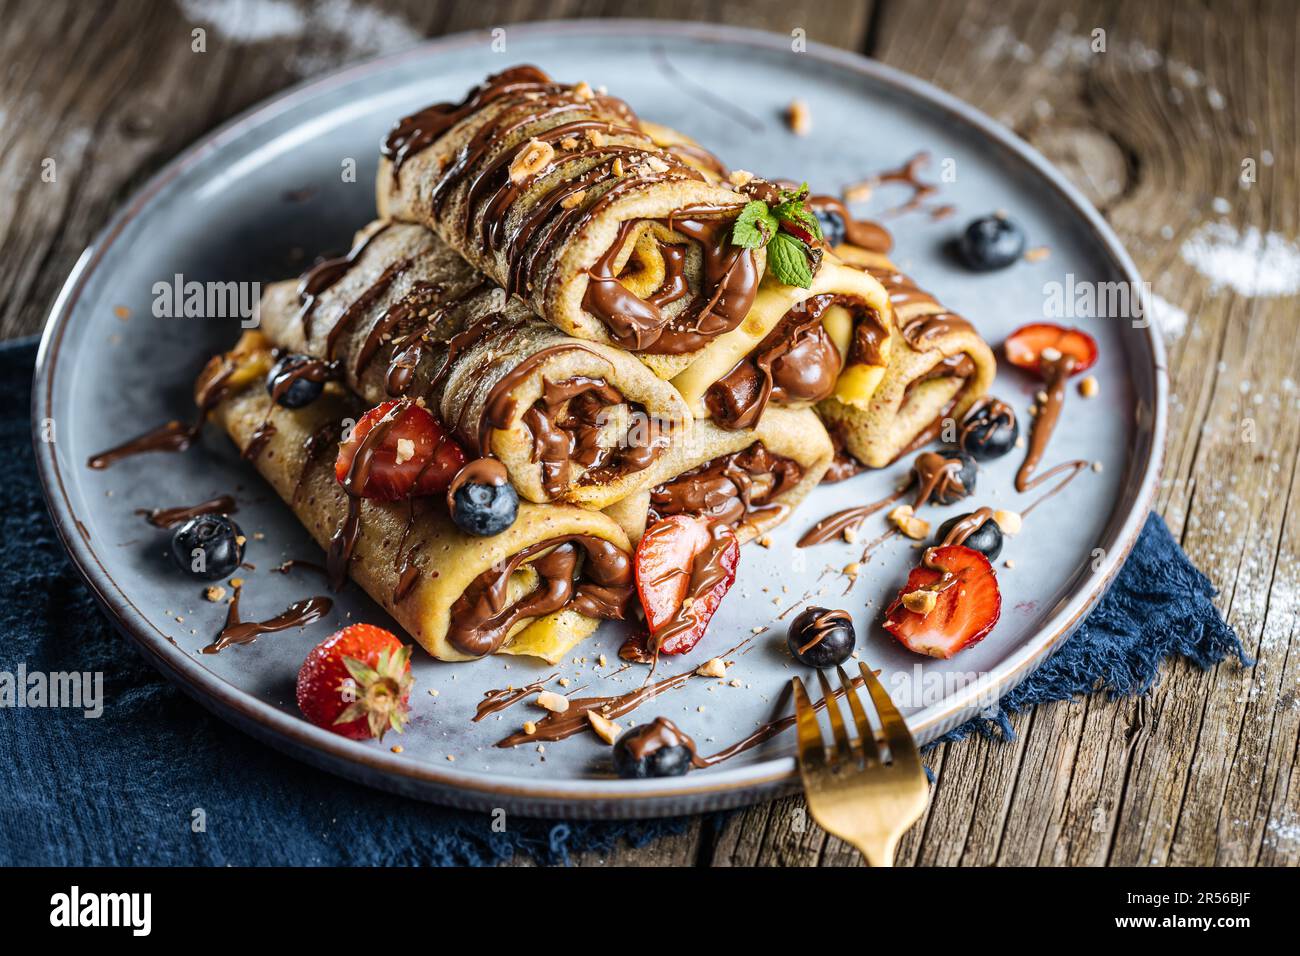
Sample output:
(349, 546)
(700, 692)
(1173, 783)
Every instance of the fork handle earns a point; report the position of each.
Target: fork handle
(879, 853)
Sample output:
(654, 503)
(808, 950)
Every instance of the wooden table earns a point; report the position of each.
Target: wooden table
(1155, 130)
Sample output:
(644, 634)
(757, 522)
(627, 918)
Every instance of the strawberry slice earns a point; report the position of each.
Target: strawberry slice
(407, 453)
(964, 611)
(684, 566)
(1025, 346)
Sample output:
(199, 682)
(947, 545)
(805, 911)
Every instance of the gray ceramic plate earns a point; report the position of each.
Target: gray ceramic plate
(256, 198)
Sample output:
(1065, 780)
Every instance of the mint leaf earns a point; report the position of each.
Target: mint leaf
(754, 226)
(787, 257)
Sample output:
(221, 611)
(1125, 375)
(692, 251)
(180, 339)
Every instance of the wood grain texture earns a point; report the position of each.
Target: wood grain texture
(1154, 130)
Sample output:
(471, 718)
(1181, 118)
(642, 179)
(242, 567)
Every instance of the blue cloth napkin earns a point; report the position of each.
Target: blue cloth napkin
(124, 788)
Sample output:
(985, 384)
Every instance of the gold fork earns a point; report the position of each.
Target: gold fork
(852, 791)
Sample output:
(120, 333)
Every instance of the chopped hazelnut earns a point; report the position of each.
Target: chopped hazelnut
(740, 177)
(571, 200)
(605, 728)
(713, 667)
(1089, 387)
(583, 91)
(618, 167)
(530, 728)
(1037, 254)
(214, 593)
(555, 703)
(920, 601)
(657, 164)
(596, 138)
(569, 142)
(852, 569)
(1008, 521)
(405, 450)
(907, 522)
(799, 117)
(850, 534)
(765, 541)
(532, 158)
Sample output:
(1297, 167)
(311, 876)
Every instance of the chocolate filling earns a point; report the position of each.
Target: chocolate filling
(729, 281)
(795, 362)
(584, 572)
(566, 423)
(730, 488)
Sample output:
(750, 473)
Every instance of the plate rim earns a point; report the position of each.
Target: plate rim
(576, 797)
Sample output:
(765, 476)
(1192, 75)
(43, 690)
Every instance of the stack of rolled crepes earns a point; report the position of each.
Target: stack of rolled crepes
(554, 280)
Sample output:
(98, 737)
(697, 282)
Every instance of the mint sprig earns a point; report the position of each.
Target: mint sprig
(789, 230)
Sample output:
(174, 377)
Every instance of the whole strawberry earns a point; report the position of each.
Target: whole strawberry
(357, 682)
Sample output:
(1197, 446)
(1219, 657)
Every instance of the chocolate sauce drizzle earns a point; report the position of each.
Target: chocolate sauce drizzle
(297, 614)
(167, 517)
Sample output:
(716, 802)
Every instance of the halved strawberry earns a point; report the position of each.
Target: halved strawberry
(1025, 346)
(409, 454)
(963, 613)
(357, 682)
(683, 557)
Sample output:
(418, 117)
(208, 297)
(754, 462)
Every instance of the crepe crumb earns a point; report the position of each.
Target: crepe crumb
(799, 117)
(1008, 521)
(1088, 388)
(214, 593)
(532, 158)
(713, 667)
(907, 522)
(605, 728)
(555, 703)
(920, 601)
(405, 450)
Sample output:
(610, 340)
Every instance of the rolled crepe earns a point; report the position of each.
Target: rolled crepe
(537, 588)
(795, 348)
(751, 479)
(404, 315)
(938, 366)
(558, 195)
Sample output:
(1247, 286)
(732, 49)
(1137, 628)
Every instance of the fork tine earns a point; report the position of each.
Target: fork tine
(902, 748)
(812, 752)
(843, 749)
(867, 733)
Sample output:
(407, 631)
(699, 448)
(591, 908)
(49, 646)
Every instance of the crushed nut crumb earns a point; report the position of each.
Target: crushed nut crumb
(1088, 388)
(740, 177)
(920, 601)
(532, 158)
(583, 91)
(799, 117)
(1008, 521)
(555, 703)
(214, 592)
(605, 728)
(907, 522)
(713, 667)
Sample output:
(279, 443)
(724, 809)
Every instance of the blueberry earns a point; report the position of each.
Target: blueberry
(832, 224)
(986, 539)
(961, 483)
(821, 638)
(299, 389)
(989, 431)
(991, 243)
(208, 547)
(656, 749)
(484, 508)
